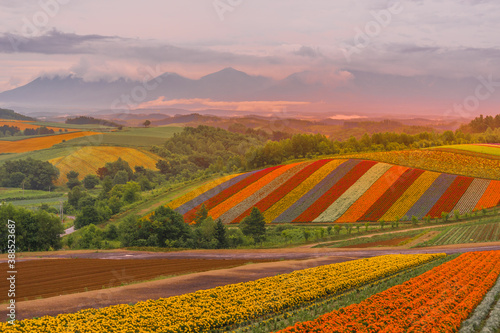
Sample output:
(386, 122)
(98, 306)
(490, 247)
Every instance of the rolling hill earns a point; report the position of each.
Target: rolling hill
(87, 160)
(339, 190)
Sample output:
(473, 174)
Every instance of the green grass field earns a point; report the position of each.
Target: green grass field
(64, 125)
(18, 194)
(140, 137)
(477, 233)
(128, 137)
(476, 149)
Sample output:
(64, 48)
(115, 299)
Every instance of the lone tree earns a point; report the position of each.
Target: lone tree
(147, 123)
(73, 179)
(221, 235)
(201, 215)
(254, 225)
(90, 181)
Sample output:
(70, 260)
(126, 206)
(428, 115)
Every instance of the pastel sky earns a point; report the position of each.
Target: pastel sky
(451, 39)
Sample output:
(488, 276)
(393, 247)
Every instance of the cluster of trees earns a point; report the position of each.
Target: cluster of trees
(84, 120)
(203, 150)
(30, 173)
(258, 133)
(310, 146)
(6, 130)
(120, 187)
(166, 228)
(481, 124)
(35, 230)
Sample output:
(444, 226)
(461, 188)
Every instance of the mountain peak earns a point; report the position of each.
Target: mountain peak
(228, 72)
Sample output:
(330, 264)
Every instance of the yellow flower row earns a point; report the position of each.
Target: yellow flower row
(205, 310)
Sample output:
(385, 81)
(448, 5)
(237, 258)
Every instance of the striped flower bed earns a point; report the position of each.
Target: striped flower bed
(228, 192)
(391, 195)
(299, 205)
(338, 190)
(334, 192)
(431, 196)
(471, 196)
(202, 196)
(339, 206)
(275, 197)
(491, 196)
(248, 191)
(363, 204)
(411, 195)
(450, 198)
(263, 191)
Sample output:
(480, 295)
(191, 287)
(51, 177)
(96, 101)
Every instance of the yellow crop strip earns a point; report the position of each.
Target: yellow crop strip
(411, 196)
(300, 190)
(87, 160)
(210, 309)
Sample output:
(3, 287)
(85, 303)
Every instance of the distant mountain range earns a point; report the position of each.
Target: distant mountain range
(364, 91)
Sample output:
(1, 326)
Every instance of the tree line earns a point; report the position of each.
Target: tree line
(85, 120)
(7, 130)
(201, 151)
(481, 124)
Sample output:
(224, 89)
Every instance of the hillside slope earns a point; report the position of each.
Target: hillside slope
(339, 190)
(87, 160)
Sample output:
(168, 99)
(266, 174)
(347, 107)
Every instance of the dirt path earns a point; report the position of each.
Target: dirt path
(421, 239)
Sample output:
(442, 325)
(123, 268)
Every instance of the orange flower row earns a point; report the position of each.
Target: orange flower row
(491, 196)
(436, 301)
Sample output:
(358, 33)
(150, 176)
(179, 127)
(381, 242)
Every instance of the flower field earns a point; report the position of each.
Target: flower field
(339, 190)
(480, 166)
(436, 301)
(44, 142)
(88, 159)
(220, 307)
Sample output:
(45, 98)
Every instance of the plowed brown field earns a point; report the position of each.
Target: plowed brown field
(54, 277)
